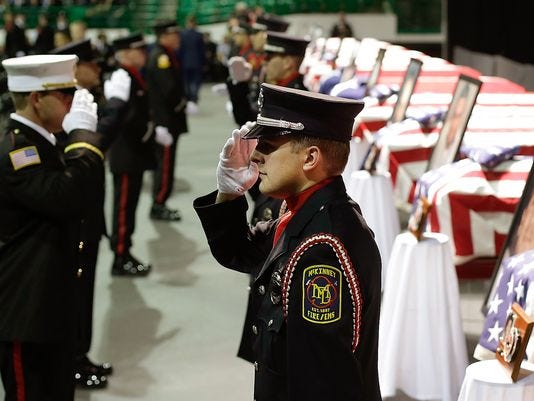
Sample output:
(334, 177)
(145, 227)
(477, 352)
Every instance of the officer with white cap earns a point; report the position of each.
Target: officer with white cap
(42, 200)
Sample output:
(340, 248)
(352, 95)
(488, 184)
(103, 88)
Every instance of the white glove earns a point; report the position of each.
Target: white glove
(118, 85)
(236, 173)
(163, 136)
(82, 114)
(239, 69)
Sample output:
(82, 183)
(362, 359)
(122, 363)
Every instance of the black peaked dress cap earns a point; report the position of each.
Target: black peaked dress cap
(81, 48)
(166, 27)
(133, 41)
(285, 44)
(286, 111)
(273, 22)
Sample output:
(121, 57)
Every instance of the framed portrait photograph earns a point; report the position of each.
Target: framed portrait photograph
(418, 217)
(331, 48)
(513, 340)
(520, 238)
(406, 91)
(371, 158)
(349, 67)
(453, 128)
(347, 52)
(375, 73)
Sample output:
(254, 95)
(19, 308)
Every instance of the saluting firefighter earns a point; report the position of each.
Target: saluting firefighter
(167, 103)
(131, 153)
(316, 290)
(87, 374)
(44, 196)
(284, 54)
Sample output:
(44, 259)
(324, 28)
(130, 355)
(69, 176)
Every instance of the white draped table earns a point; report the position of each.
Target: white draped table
(489, 381)
(422, 348)
(374, 194)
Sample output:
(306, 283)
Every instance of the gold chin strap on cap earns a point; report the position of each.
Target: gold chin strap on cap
(271, 122)
(60, 85)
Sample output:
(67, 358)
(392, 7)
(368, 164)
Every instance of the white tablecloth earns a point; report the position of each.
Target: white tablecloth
(374, 194)
(422, 348)
(489, 381)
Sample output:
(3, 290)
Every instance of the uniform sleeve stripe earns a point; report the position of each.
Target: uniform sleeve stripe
(85, 145)
(349, 273)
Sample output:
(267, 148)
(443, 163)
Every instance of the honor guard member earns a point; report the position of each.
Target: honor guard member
(131, 153)
(44, 196)
(88, 374)
(167, 103)
(284, 54)
(316, 292)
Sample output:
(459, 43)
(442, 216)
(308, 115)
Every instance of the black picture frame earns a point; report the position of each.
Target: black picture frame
(371, 158)
(406, 90)
(452, 131)
(375, 72)
(520, 238)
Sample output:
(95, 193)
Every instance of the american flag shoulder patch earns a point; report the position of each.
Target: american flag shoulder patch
(24, 157)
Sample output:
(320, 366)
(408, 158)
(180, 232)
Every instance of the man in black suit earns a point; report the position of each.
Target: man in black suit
(43, 199)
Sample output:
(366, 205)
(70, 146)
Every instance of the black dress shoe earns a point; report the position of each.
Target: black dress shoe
(89, 375)
(127, 265)
(84, 364)
(90, 381)
(162, 212)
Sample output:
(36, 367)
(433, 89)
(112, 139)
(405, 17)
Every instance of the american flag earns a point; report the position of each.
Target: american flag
(24, 157)
(489, 156)
(516, 284)
(475, 206)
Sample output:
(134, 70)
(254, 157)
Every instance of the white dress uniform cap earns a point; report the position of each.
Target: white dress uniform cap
(40, 72)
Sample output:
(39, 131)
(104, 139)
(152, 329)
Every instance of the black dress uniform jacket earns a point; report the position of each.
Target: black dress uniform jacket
(40, 209)
(244, 98)
(132, 149)
(166, 94)
(316, 295)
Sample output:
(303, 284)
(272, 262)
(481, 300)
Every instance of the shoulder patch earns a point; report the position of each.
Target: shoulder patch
(321, 294)
(349, 275)
(24, 157)
(164, 62)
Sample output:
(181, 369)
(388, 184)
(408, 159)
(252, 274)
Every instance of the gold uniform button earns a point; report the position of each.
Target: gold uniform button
(261, 289)
(255, 329)
(270, 323)
(80, 245)
(79, 272)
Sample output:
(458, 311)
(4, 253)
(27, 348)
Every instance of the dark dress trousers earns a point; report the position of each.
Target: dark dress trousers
(131, 153)
(315, 296)
(167, 103)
